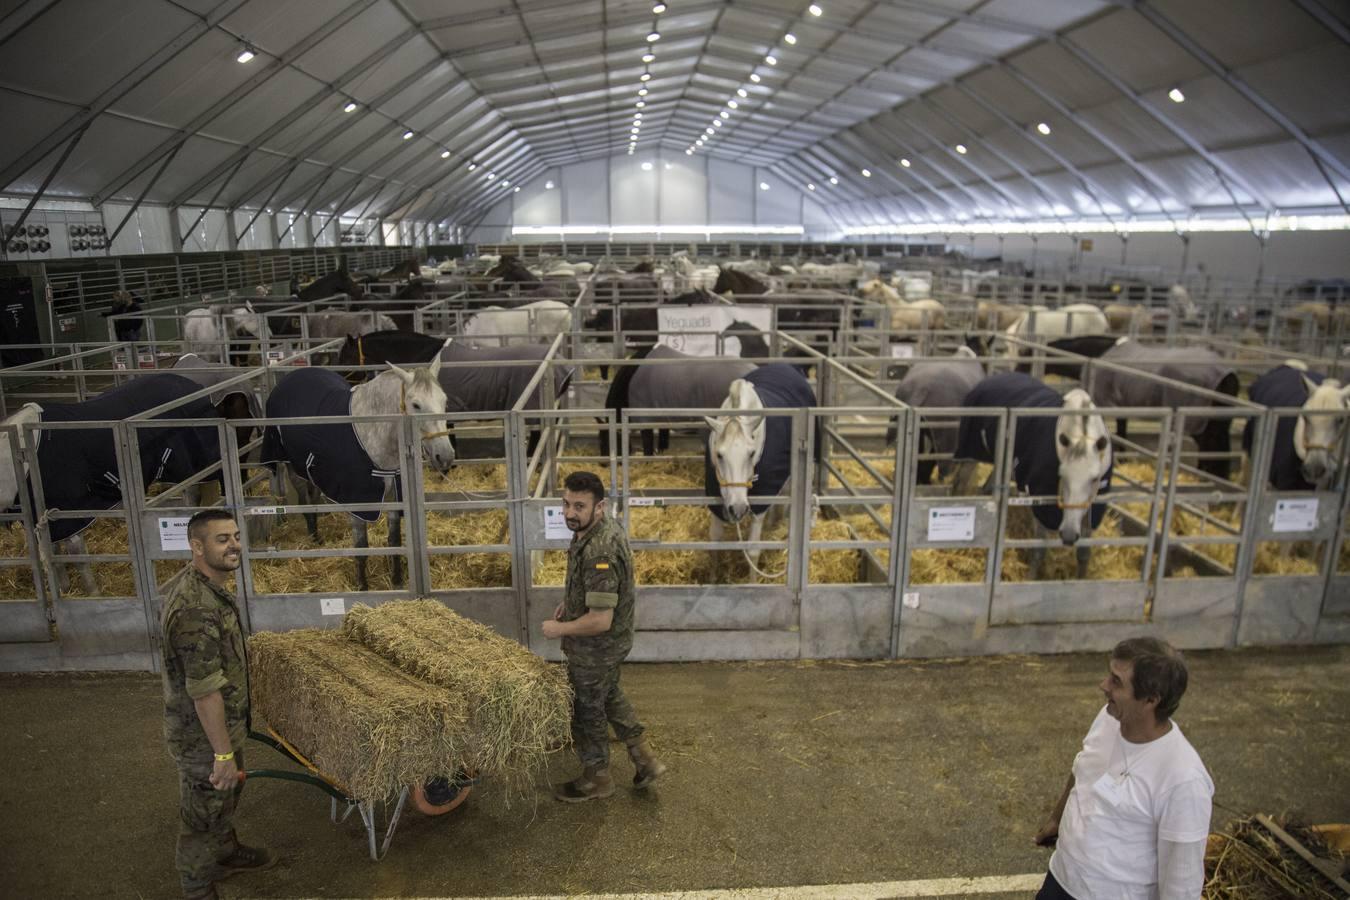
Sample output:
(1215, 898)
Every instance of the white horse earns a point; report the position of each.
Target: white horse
(1041, 324)
(206, 330)
(532, 323)
(907, 315)
(735, 446)
(691, 277)
(1317, 438)
(396, 391)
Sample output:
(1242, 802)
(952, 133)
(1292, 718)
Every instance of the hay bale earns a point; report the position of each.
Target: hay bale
(519, 706)
(364, 722)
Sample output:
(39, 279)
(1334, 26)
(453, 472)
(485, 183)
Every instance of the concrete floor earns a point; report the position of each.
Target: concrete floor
(782, 774)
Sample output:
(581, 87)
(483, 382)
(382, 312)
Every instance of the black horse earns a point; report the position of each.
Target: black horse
(737, 282)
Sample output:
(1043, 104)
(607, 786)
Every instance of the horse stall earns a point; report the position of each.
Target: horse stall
(102, 487)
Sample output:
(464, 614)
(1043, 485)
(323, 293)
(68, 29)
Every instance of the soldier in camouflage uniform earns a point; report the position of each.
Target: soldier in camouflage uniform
(595, 622)
(206, 706)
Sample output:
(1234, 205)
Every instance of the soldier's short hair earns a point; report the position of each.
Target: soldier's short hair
(1159, 671)
(201, 517)
(588, 482)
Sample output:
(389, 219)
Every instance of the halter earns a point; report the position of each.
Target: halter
(735, 484)
(403, 410)
(1059, 501)
(360, 350)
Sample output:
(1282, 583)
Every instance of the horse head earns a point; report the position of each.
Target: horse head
(1084, 451)
(1317, 438)
(11, 466)
(1180, 302)
(244, 320)
(735, 447)
(421, 392)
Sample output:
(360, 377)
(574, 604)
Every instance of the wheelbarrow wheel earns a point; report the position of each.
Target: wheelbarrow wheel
(439, 796)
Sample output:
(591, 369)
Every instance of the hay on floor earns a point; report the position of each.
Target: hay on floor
(1247, 861)
(362, 721)
(519, 706)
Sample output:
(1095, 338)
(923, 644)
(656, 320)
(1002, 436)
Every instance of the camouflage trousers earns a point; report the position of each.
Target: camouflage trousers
(599, 703)
(206, 824)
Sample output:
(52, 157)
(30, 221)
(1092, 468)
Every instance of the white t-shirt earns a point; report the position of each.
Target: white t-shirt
(1125, 800)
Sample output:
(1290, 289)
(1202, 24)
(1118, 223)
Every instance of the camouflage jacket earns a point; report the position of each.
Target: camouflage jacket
(600, 576)
(203, 652)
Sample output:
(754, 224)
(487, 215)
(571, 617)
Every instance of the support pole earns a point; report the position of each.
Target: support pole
(168, 158)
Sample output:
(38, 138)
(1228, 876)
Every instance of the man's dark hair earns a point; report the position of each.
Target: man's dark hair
(200, 518)
(585, 481)
(1159, 671)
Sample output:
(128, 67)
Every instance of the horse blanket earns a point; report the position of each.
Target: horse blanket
(1035, 460)
(702, 384)
(943, 383)
(330, 457)
(1282, 386)
(492, 388)
(1188, 365)
(79, 466)
(779, 386)
(207, 374)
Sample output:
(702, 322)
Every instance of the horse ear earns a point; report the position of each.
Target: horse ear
(402, 373)
(435, 365)
(715, 424)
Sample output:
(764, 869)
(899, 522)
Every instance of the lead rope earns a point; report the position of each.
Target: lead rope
(749, 562)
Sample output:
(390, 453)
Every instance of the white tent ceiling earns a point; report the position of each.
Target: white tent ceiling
(145, 99)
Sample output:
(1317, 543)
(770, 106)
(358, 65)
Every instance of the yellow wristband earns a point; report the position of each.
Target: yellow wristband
(225, 757)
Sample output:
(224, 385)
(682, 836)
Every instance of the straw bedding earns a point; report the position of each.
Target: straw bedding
(406, 692)
(1246, 861)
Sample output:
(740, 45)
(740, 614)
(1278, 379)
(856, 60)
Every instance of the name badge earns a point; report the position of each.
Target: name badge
(1109, 790)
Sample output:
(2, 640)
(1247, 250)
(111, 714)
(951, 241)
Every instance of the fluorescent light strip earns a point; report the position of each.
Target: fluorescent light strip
(1090, 226)
(547, 230)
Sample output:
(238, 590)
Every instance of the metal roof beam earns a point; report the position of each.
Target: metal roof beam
(1328, 19)
(1238, 83)
(275, 65)
(124, 85)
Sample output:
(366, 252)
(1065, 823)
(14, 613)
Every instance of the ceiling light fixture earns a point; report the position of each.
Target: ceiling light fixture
(640, 104)
(689, 153)
(472, 166)
(810, 187)
(717, 123)
(638, 116)
(505, 183)
(658, 9)
(741, 92)
(245, 54)
(646, 167)
(407, 135)
(733, 104)
(548, 185)
(724, 114)
(790, 38)
(445, 154)
(1175, 94)
(867, 173)
(814, 9)
(642, 92)
(771, 59)
(833, 180)
(515, 190)
(645, 76)
(350, 107)
(491, 175)
(648, 57)
(653, 37)
(1043, 128)
(905, 163)
(763, 185)
(754, 76)
(960, 148)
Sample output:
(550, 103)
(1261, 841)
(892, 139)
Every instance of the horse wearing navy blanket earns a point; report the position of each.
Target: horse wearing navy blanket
(937, 384)
(1067, 456)
(354, 462)
(1307, 448)
(79, 467)
(747, 456)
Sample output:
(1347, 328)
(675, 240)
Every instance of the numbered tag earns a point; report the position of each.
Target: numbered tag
(1109, 791)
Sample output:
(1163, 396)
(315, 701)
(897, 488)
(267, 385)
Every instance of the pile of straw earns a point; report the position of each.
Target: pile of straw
(363, 722)
(321, 574)
(406, 692)
(469, 570)
(1247, 861)
(519, 706)
(103, 536)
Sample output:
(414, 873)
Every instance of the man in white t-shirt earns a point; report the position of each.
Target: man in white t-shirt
(1134, 817)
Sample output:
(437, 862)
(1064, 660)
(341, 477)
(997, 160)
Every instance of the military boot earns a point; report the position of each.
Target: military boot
(594, 784)
(648, 767)
(206, 893)
(245, 859)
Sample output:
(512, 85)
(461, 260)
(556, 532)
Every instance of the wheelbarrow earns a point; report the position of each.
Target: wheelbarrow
(435, 798)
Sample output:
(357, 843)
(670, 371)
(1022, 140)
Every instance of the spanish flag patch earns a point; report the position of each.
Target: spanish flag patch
(601, 566)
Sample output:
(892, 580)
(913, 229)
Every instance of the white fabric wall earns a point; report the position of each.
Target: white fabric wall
(684, 190)
(148, 230)
(585, 188)
(258, 236)
(731, 190)
(537, 204)
(210, 233)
